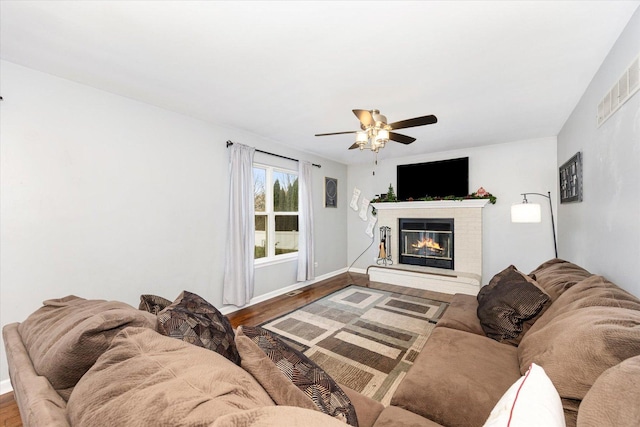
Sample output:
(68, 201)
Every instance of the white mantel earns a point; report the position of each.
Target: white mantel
(467, 216)
(433, 204)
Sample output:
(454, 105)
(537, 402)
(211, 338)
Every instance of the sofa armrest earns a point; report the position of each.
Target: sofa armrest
(39, 403)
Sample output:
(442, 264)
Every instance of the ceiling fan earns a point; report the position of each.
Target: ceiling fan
(376, 132)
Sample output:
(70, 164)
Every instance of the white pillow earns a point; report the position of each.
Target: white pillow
(530, 401)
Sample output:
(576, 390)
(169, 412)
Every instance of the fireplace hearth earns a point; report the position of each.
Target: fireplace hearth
(427, 242)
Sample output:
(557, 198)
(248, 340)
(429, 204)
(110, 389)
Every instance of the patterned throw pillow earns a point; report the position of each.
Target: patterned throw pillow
(510, 304)
(192, 319)
(153, 303)
(325, 393)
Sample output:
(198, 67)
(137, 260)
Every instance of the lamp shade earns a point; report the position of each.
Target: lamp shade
(526, 212)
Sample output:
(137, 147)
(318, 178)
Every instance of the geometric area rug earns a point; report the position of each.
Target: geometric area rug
(364, 338)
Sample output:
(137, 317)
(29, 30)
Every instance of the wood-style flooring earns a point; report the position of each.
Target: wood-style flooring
(259, 313)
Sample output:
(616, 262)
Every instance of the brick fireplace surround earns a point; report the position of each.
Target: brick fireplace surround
(467, 274)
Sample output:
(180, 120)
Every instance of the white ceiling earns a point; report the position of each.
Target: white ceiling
(491, 72)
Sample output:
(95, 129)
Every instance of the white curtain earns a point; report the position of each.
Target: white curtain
(238, 269)
(305, 223)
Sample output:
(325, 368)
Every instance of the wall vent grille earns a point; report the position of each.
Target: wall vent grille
(626, 86)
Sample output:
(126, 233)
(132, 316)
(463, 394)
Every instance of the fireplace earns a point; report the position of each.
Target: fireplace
(426, 241)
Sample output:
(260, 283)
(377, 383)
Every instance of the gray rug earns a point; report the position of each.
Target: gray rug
(364, 338)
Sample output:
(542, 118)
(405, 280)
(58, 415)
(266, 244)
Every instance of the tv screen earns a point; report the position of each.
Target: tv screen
(434, 179)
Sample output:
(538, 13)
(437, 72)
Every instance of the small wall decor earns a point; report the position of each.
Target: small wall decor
(330, 192)
(571, 179)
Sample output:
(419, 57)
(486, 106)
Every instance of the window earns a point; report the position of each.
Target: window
(275, 193)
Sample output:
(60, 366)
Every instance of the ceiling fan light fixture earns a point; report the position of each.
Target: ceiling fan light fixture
(377, 142)
(375, 132)
(361, 139)
(382, 137)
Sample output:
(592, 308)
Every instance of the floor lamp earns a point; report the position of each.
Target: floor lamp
(530, 212)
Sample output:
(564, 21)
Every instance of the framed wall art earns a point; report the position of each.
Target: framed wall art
(571, 179)
(330, 192)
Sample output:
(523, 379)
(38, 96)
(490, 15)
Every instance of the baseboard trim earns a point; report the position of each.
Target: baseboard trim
(227, 309)
(5, 387)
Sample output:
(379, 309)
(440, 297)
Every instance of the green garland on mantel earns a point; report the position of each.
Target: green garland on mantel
(391, 197)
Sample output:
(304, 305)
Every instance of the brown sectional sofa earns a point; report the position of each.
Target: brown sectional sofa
(589, 334)
(587, 341)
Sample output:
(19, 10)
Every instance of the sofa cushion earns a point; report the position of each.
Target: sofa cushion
(457, 378)
(557, 275)
(145, 378)
(302, 372)
(531, 401)
(65, 336)
(277, 416)
(153, 303)
(194, 320)
(367, 409)
(394, 416)
(462, 315)
(509, 305)
(577, 346)
(614, 399)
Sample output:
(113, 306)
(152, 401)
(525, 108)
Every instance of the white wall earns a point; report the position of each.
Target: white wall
(603, 232)
(105, 197)
(506, 171)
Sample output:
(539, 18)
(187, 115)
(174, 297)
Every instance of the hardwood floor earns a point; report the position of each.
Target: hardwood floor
(259, 313)
(277, 306)
(9, 413)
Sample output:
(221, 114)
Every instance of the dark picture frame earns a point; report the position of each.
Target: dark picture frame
(330, 192)
(571, 179)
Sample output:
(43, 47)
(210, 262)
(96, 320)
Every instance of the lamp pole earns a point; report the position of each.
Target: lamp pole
(553, 226)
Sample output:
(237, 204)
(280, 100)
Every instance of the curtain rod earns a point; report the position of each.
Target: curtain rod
(229, 144)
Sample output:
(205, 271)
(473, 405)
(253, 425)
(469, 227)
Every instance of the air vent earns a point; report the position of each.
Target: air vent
(627, 85)
(634, 76)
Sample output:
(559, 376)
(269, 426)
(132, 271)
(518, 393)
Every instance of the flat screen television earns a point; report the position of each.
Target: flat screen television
(434, 179)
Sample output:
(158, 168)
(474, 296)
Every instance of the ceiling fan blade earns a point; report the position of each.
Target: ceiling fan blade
(418, 121)
(365, 117)
(403, 139)
(335, 133)
(355, 145)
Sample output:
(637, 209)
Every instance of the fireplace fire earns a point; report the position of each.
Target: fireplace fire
(427, 242)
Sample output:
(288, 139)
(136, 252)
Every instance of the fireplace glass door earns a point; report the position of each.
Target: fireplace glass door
(427, 242)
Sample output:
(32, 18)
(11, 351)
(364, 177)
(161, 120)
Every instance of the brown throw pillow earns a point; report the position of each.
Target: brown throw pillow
(194, 320)
(304, 374)
(153, 303)
(509, 305)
